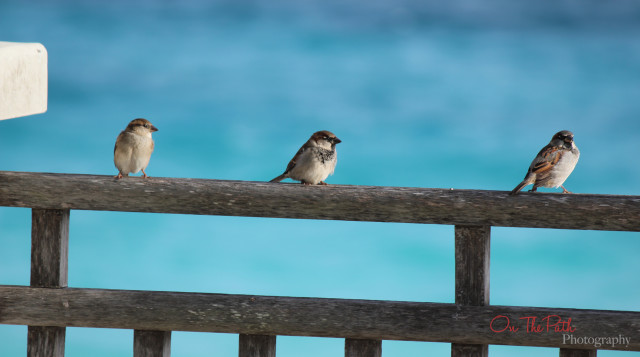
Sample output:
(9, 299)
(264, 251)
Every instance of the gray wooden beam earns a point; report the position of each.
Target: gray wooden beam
(473, 246)
(49, 269)
(292, 316)
(150, 343)
(334, 202)
(257, 346)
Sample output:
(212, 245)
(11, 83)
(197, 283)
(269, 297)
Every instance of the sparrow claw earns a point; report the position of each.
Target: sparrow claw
(564, 190)
(118, 176)
(144, 175)
(322, 183)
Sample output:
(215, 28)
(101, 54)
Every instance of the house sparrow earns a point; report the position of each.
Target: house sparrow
(315, 160)
(553, 165)
(133, 148)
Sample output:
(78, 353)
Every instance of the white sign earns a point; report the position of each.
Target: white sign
(23, 79)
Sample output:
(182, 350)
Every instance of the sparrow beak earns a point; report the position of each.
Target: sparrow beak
(336, 140)
(153, 128)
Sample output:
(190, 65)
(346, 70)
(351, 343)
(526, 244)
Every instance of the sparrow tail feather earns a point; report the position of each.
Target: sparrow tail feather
(278, 179)
(518, 188)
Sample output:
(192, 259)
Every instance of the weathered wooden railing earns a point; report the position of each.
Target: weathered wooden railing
(471, 324)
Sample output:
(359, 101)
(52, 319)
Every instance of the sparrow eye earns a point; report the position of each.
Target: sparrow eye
(146, 126)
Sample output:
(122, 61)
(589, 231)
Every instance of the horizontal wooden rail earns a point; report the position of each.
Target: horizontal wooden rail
(354, 319)
(334, 202)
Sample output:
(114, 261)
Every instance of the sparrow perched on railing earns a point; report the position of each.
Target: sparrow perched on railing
(315, 160)
(553, 165)
(133, 148)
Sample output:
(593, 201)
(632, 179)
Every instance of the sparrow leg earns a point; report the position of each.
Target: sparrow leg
(305, 183)
(564, 190)
(119, 176)
(144, 174)
(322, 183)
(534, 189)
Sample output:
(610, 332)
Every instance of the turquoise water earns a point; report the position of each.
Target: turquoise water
(422, 94)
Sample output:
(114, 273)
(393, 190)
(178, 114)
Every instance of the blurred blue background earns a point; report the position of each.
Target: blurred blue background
(457, 94)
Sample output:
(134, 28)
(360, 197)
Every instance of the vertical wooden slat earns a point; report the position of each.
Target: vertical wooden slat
(362, 348)
(45, 341)
(472, 265)
(458, 349)
(472, 246)
(49, 269)
(151, 343)
(49, 248)
(257, 346)
(571, 352)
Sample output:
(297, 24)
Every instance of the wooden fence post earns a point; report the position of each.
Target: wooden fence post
(362, 348)
(573, 352)
(473, 245)
(257, 346)
(49, 269)
(151, 343)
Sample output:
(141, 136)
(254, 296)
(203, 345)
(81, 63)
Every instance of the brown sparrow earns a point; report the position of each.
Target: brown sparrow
(315, 160)
(133, 148)
(553, 165)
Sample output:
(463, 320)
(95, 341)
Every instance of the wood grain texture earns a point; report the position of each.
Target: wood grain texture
(257, 346)
(472, 252)
(362, 348)
(264, 315)
(149, 343)
(335, 202)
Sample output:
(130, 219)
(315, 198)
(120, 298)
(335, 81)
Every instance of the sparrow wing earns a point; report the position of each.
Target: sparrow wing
(118, 142)
(547, 158)
(123, 148)
(540, 169)
(291, 164)
(293, 161)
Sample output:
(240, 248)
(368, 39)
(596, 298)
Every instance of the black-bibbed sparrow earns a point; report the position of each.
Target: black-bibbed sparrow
(133, 148)
(315, 160)
(553, 165)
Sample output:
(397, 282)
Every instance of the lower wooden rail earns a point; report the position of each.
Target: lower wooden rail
(319, 317)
